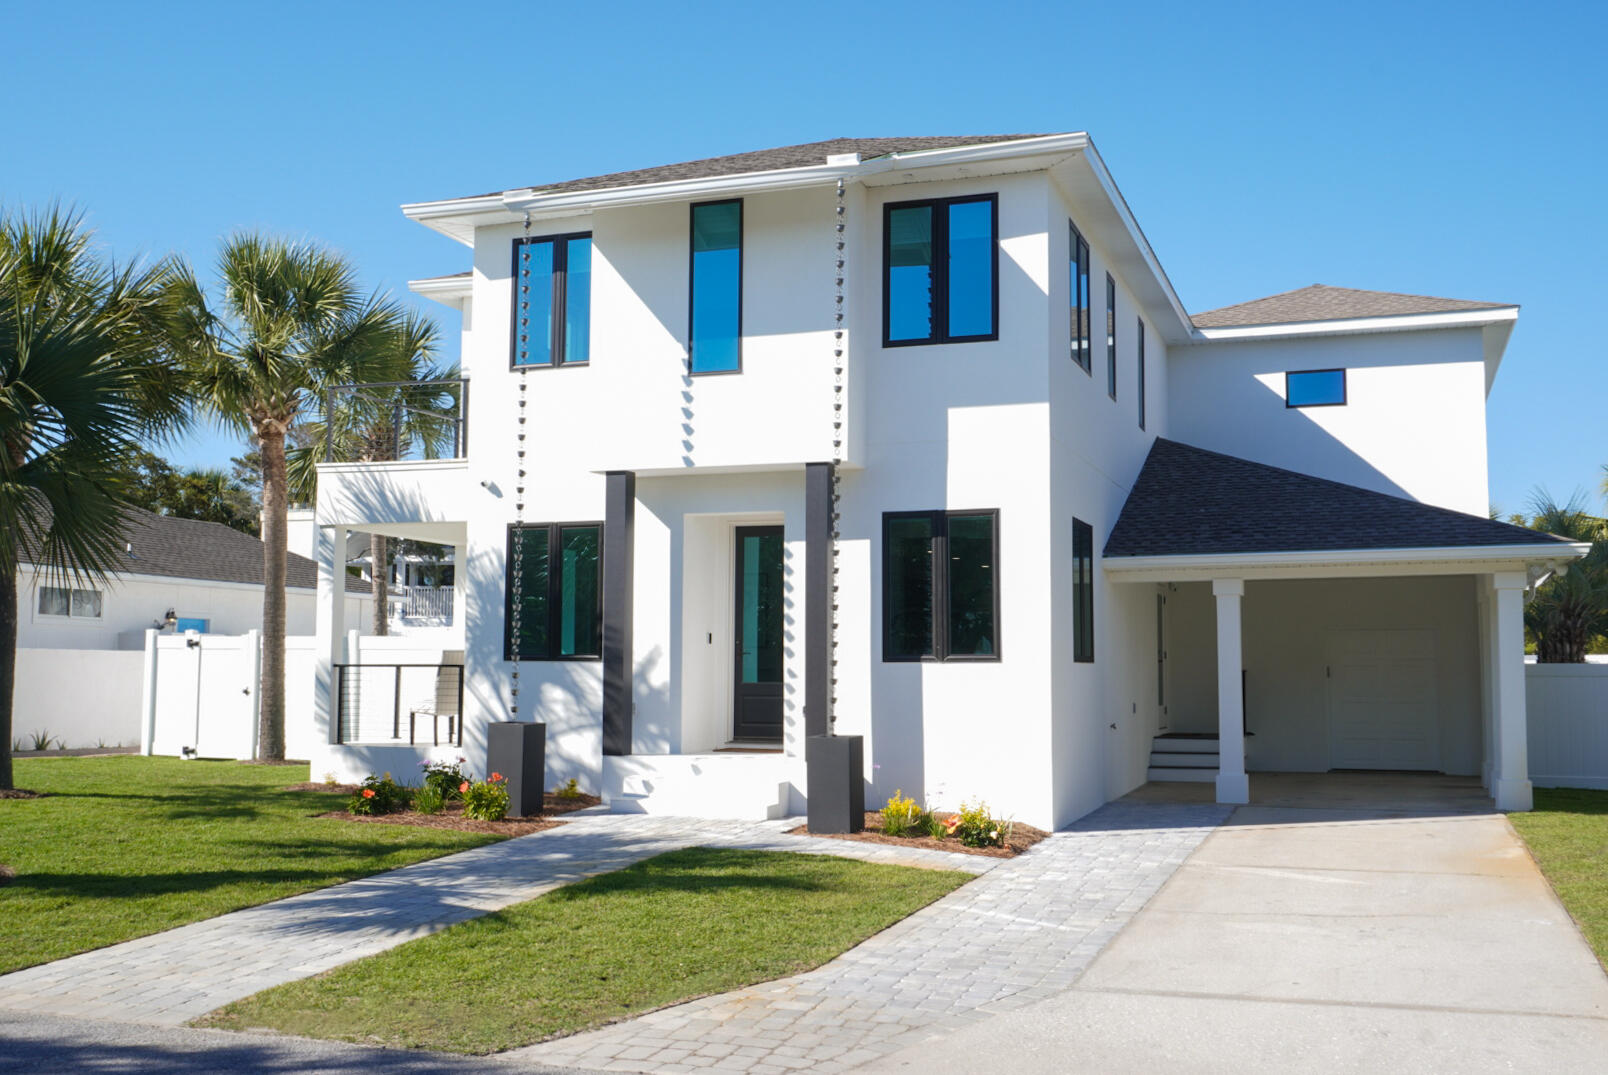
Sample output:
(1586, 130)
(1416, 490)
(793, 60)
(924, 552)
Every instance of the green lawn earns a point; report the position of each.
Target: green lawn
(125, 846)
(671, 928)
(1568, 835)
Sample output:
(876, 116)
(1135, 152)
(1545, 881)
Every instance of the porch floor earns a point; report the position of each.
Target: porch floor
(1413, 793)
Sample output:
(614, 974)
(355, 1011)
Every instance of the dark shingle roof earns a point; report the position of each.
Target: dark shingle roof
(1320, 302)
(1189, 501)
(191, 549)
(768, 160)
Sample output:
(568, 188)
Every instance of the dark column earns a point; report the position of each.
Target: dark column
(818, 598)
(517, 751)
(619, 515)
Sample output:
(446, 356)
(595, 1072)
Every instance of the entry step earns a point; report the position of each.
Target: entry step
(1191, 775)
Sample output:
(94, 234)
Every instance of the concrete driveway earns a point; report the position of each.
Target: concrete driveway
(1299, 939)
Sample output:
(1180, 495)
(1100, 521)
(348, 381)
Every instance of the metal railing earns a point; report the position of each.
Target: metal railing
(379, 704)
(420, 606)
(396, 420)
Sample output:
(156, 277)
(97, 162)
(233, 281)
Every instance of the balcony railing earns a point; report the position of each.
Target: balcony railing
(396, 420)
(399, 703)
(420, 606)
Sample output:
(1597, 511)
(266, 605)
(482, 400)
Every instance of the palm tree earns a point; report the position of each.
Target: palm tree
(290, 324)
(1570, 609)
(85, 377)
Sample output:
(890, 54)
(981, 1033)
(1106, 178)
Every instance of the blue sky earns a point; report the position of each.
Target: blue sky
(1449, 149)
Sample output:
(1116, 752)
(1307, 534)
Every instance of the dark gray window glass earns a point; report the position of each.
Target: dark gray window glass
(1082, 591)
(717, 287)
(1315, 388)
(561, 612)
(940, 270)
(1079, 286)
(1111, 336)
(907, 586)
(1139, 339)
(55, 601)
(971, 585)
(910, 277)
(552, 301)
(762, 614)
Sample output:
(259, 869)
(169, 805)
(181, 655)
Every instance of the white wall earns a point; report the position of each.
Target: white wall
(1413, 424)
(82, 697)
(1567, 706)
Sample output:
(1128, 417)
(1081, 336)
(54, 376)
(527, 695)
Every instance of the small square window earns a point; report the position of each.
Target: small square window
(940, 586)
(561, 594)
(940, 271)
(1315, 388)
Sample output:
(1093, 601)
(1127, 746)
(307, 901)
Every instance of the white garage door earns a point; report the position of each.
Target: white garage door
(1382, 712)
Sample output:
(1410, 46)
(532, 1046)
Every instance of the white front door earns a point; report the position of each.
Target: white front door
(1382, 699)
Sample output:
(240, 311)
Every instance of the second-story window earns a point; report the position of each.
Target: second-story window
(552, 301)
(715, 308)
(1111, 337)
(1139, 338)
(1078, 263)
(940, 271)
(1315, 388)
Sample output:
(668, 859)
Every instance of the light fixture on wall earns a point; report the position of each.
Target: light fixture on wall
(169, 620)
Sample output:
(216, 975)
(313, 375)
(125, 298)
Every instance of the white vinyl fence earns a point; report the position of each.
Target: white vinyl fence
(77, 697)
(1567, 706)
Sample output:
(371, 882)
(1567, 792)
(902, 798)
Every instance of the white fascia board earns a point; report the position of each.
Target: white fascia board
(1342, 563)
(447, 290)
(1137, 236)
(457, 218)
(1356, 325)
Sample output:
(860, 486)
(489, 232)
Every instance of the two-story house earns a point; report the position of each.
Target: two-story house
(911, 439)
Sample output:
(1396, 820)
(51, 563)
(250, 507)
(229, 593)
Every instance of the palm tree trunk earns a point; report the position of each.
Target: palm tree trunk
(380, 574)
(8, 670)
(271, 695)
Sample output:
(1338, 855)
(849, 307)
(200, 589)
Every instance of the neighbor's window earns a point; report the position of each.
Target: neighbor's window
(561, 602)
(940, 270)
(552, 301)
(715, 335)
(186, 623)
(1082, 591)
(1111, 337)
(940, 585)
(1315, 388)
(1139, 339)
(62, 601)
(1079, 267)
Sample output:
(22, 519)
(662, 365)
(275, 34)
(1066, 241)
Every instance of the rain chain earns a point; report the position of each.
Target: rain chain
(516, 599)
(837, 462)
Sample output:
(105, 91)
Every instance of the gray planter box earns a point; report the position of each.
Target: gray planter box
(835, 782)
(518, 750)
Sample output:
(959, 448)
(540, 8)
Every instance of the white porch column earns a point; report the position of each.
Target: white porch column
(1232, 784)
(331, 648)
(1485, 600)
(1510, 781)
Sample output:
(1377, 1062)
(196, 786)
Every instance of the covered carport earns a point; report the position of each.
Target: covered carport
(1315, 626)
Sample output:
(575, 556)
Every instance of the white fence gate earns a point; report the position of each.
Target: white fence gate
(204, 695)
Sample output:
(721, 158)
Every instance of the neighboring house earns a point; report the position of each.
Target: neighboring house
(1080, 538)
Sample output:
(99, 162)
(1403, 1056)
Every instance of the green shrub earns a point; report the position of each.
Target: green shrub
(428, 800)
(486, 800)
(976, 828)
(445, 777)
(903, 816)
(378, 795)
(568, 790)
(933, 825)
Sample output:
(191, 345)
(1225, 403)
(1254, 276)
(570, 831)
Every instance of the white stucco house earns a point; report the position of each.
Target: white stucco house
(911, 439)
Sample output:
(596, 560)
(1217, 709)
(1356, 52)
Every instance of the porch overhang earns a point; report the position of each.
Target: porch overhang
(1537, 561)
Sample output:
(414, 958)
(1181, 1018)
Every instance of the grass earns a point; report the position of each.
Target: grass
(1568, 835)
(127, 846)
(668, 929)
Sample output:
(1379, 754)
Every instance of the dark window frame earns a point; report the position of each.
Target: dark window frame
(555, 590)
(1139, 337)
(940, 270)
(939, 520)
(1111, 336)
(559, 297)
(1345, 391)
(1078, 266)
(1082, 593)
(692, 282)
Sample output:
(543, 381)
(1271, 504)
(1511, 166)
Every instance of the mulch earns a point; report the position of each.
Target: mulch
(451, 816)
(21, 793)
(1022, 837)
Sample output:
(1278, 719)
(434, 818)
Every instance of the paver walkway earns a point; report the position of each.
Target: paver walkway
(168, 978)
(1022, 932)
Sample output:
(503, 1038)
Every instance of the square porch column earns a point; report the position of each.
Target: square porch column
(331, 627)
(619, 555)
(818, 599)
(1233, 786)
(1510, 780)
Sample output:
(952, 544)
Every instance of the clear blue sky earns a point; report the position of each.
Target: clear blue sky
(1449, 149)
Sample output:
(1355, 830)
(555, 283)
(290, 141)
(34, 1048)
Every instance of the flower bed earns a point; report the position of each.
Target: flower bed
(450, 816)
(971, 830)
(1020, 839)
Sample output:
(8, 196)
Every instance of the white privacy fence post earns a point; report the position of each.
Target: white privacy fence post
(148, 696)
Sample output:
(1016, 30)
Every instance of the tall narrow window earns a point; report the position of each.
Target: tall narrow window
(1139, 340)
(940, 271)
(940, 585)
(1079, 269)
(1111, 337)
(1082, 591)
(716, 311)
(561, 611)
(552, 320)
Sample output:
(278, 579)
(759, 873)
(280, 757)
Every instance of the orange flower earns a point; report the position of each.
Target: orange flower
(368, 793)
(952, 824)
(495, 777)
(463, 787)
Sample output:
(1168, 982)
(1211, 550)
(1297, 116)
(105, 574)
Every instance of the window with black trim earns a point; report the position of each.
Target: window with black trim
(1315, 388)
(715, 300)
(1139, 339)
(561, 605)
(552, 322)
(940, 586)
(1111, 337)
(1082, 591)
(940, 271)
(1078, 264)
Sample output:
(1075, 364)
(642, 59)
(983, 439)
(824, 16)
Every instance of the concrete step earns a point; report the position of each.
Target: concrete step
(1179, 744)
(1177, 760)
(1195, 776)
(747, 786)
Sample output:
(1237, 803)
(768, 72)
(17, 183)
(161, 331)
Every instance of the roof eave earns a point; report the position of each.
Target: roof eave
(1538, 558)
(1493, 315)
(448, 290)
